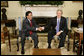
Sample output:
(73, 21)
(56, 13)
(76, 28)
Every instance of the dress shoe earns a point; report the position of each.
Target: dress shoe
(36, 47)
(49, 46)
(61, 47)
(22, 52)
(58, 46)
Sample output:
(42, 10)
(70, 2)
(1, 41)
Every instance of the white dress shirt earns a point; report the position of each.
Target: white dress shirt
(58, 19)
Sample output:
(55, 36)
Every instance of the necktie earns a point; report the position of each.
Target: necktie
(30, 26)
(57, 28)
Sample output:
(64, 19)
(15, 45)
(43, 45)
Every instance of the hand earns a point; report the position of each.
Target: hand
(42, 28)
(39, 29)
(30, 38)
(58, 33)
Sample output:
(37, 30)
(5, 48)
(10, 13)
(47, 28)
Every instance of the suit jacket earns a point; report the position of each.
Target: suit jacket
(26, 27)
(53, 23)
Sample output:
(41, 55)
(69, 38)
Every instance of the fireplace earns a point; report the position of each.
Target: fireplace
(42, 21)
(42, 10)
(42, 13)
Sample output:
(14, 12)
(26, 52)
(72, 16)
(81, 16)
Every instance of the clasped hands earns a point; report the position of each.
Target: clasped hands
(40, 28)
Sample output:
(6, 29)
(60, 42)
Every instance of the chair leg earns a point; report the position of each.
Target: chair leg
(17, 46)
(9, 41)
(68, 47)
(68, 44)
(2, 37)
(17, 43)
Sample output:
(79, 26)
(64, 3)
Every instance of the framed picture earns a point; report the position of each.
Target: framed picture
(4, 3)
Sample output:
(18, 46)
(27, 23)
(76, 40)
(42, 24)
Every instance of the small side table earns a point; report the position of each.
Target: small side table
(79, 34)
(2, 37)
(6, 33)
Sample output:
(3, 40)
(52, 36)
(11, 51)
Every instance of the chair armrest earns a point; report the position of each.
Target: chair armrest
(69, 31)
(6, 32)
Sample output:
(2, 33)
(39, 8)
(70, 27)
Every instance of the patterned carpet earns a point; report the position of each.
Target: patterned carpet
(29, 50)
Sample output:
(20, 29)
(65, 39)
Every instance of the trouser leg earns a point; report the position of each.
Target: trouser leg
(62, 39)
(22, 43)
(35, 38)
(50, 37)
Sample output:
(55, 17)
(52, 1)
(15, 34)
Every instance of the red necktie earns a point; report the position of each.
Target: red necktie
(30, 32)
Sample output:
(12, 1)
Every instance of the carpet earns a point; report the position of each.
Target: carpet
(43, 50)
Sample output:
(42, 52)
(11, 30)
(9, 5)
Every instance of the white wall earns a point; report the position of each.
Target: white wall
(70, 9)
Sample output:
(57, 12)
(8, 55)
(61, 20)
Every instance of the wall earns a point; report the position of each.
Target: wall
(14, 9)
(70, 9)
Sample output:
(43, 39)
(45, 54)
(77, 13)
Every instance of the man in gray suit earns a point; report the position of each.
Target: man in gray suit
(29, 28)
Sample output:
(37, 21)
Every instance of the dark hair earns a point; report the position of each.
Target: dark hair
(27, 13)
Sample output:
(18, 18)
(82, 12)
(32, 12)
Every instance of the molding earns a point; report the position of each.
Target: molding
(44, 6)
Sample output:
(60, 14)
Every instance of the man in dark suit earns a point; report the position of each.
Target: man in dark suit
(58, 27)
(29, 28)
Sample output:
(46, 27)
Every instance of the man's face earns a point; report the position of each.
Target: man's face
(59, 13)
(29, 16)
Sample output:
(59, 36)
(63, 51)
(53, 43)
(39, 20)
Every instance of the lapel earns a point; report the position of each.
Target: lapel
(55, 20)
(27, 21)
